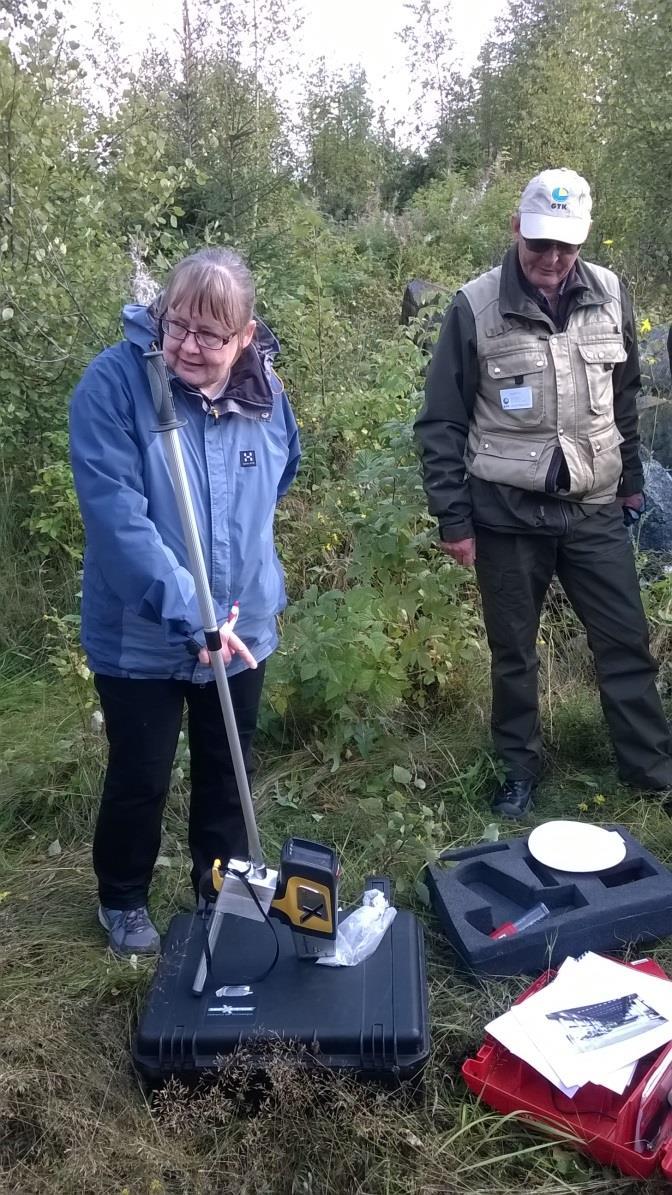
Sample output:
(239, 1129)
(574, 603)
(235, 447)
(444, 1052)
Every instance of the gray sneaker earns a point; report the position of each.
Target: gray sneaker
(130, 931)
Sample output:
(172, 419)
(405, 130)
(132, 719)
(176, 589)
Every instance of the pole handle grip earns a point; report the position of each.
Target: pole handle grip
(162, 394)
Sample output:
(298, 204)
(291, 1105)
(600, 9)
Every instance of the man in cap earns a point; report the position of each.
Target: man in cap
(530, 452)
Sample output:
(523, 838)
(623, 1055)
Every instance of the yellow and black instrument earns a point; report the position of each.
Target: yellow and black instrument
(306, 896)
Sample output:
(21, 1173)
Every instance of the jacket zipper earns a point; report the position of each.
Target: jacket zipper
(551, 483)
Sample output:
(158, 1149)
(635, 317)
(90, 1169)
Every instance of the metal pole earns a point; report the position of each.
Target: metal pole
(169, 427)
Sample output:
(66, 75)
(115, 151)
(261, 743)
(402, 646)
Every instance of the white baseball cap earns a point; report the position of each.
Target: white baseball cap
(556, 206)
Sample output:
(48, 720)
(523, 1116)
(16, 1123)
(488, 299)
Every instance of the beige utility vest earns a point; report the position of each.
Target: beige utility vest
(540, 390)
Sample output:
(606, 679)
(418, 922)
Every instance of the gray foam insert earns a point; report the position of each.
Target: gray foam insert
(488, 884)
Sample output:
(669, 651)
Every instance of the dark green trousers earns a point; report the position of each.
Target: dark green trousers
(595, 565)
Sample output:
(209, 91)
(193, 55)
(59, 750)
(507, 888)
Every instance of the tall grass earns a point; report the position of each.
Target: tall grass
(73, 1117)
(31, 587)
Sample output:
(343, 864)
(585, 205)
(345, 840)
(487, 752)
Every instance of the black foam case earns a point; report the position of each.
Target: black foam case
(370, 1020)
(491, 883)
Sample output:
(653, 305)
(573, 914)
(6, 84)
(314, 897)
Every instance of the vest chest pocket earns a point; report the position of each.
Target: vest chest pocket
(513, 383)
(599, 358)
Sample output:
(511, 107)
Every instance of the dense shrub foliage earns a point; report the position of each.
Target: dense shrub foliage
(335, 217)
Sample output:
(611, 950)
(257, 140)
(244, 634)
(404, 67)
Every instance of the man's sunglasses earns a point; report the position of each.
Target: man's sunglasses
(540, 246)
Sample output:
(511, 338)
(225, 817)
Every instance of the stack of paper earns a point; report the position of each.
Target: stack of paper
(591, 1024)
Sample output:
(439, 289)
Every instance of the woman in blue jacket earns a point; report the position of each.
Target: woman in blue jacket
(141, 627)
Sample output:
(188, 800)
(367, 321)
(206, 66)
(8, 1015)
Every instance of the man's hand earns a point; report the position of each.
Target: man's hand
(633, 501)
(633, 507)
(231, 645)
(463, 551)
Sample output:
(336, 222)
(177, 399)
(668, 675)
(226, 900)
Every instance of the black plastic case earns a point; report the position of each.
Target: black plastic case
(492, 883)
(370, 1020)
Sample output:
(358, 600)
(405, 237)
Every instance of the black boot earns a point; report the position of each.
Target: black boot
(513, 798)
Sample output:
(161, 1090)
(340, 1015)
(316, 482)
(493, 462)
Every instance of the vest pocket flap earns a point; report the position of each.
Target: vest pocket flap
(603, 352)
(517, 363)
(603, 441)
(511, 448)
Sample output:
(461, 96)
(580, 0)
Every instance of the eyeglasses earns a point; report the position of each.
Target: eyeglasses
(540, 246)
(206, 340)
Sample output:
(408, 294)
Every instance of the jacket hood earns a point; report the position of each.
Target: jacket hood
(265, 340)
(139, 326)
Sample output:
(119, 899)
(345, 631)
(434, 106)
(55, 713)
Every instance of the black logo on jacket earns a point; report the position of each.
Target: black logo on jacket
(248, 458)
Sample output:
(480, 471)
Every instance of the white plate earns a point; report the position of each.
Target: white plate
(576, 846)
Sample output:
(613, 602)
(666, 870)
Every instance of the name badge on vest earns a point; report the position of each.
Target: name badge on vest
(517, 399)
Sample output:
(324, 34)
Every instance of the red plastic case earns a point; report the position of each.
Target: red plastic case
(602, 1122)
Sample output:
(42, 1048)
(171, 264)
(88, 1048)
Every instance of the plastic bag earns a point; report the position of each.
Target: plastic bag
(361, 932)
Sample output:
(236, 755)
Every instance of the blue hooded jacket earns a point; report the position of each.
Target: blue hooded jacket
(140, 614)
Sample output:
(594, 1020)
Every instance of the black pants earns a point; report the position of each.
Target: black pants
(595, 565)
(142, 721)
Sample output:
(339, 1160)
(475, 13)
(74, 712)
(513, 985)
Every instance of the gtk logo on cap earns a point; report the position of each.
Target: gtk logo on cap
(556, 206)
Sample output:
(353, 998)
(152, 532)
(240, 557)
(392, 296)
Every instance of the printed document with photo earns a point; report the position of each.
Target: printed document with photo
(595, 1018)
(511, 1032)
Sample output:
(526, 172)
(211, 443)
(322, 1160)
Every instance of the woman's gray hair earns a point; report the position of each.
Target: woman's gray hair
(211, 282)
